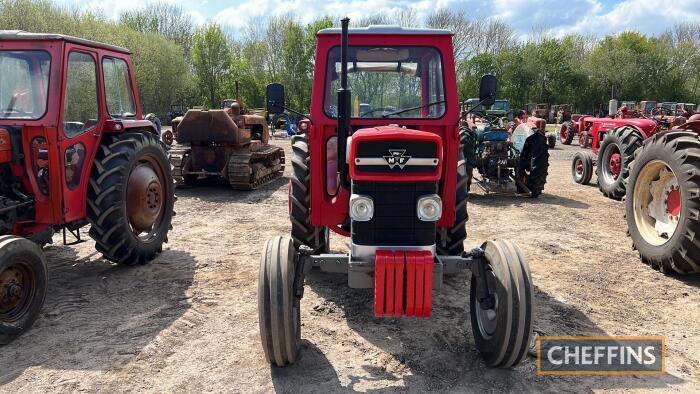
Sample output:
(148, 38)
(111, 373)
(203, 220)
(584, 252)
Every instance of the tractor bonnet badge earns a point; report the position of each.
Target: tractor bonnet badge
(396, 158)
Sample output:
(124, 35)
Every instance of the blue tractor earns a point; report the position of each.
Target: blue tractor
(505, 156)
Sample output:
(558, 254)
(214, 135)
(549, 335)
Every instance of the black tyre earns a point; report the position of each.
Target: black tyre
(468, 148)
(502, 331)
(450, 241)
(534, 164)
(167, 137)
(566, 133)
(614, 158)
(663, 202)
(279, 302)
(303, 232)
(582, 167)
(130, 198)
(551, 141)
(23, 284)
(584, 140)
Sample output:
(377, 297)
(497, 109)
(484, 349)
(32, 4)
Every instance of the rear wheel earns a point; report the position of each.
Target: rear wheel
(566, 133)
(23, 284)
(303, 231)
(502, 323)
(534, 164)
(130, 198)
(450, 241)
(551, 140)
(614, 158)
(663, 200)
(279, 302)
(167, 137)
(582, 167)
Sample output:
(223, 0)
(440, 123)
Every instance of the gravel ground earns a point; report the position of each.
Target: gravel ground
(188, 321)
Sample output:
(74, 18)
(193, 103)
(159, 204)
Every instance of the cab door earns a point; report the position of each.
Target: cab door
(81, 122)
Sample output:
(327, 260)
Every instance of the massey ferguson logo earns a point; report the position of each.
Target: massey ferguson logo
(396, 158)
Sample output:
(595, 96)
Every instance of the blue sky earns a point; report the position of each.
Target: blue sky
(595, 17)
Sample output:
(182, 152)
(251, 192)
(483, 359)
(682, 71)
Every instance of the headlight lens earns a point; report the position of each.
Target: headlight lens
(361, 208)
(430, 208)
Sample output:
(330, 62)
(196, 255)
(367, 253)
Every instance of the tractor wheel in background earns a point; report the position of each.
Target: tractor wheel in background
(663, 201)
(130, 198)
(450, 241)
(551, 140)
(468, 148)
(614, 157)
(566, 133)
(582, 167)
(23, 285)
(502, 329)
(167, 137)
(303, 232)
(534, 164)
(279, 302)
(583, 139)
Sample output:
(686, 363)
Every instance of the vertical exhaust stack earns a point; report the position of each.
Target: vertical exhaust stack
(344, 101)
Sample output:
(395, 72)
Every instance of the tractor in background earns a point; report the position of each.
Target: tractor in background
(559, 114)
(539, 110)
(395, 182)
(569, 131)
(662, 200)
(225, 143)
(508, 157)
(74, 151)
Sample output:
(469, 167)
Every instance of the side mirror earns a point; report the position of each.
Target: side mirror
(275, 98)
(487, 90)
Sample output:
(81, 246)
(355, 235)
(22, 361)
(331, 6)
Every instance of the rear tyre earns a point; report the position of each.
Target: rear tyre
(23, 284)
(303, 232)
(468, 148)
(551, 141)
(502, 331)
(582, 167)
(614, 158)
(566, 133)
(663, 202)
(279, 302)
(534, 164)
(450, 242)
(130, 198)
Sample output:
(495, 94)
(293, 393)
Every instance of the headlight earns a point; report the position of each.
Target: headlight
(429, 208)
(361, 208)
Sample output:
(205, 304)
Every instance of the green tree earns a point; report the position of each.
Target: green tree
(211, 59)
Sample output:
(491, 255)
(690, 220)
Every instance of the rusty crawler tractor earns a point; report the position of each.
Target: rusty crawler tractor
(663, 202)
(395, 182)
(73, 151)
(226, 144)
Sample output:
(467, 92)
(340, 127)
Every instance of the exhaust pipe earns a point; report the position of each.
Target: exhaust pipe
(344, 101)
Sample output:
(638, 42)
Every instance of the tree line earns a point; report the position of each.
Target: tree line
(177, 62)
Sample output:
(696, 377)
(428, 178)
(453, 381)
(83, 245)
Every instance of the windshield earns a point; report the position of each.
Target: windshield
(389, 82)
(501, 105)
(24, 84)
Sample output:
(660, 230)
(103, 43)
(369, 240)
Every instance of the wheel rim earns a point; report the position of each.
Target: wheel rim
(17, 288)
(657, 203)
(579, 169)
(146, 194)
(612, 163)
(487, 319)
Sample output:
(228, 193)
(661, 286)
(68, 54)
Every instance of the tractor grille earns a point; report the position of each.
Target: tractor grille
(395, 221)
(382, 149)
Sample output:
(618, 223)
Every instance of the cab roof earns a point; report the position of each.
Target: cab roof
(387, 30)
(23, 35)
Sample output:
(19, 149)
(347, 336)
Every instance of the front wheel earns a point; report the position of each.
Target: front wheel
(534, 164)
(130, 198)
(663, 201)
(582, 167)
(23, 285)
(502, 322)
(279, 302)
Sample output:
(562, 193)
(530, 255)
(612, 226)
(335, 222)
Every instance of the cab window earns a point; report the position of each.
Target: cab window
(81, 109)
(118, 92)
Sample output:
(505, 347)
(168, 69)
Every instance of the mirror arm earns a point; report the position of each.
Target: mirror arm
(474, 107)
(289, 109)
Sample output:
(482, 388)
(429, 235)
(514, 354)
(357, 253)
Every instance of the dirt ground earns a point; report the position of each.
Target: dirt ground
(188, 321)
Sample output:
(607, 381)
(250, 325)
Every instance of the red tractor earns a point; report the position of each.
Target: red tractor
(613, 142)
(569, 131)
(74, 150)
(392, 178)
(663, 200)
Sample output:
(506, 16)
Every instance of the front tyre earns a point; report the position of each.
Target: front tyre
(582, 167)
(534, 164)
(663, 201)
(614, 158)
(278, 302)
(130, 198)
(502, 326)
(23, 285)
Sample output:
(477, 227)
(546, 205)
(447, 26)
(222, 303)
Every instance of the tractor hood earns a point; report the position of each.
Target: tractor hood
(393, 153)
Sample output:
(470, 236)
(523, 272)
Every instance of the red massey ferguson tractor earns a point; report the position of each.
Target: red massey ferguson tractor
(73, 152)
(392, 178)
(613, 142)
